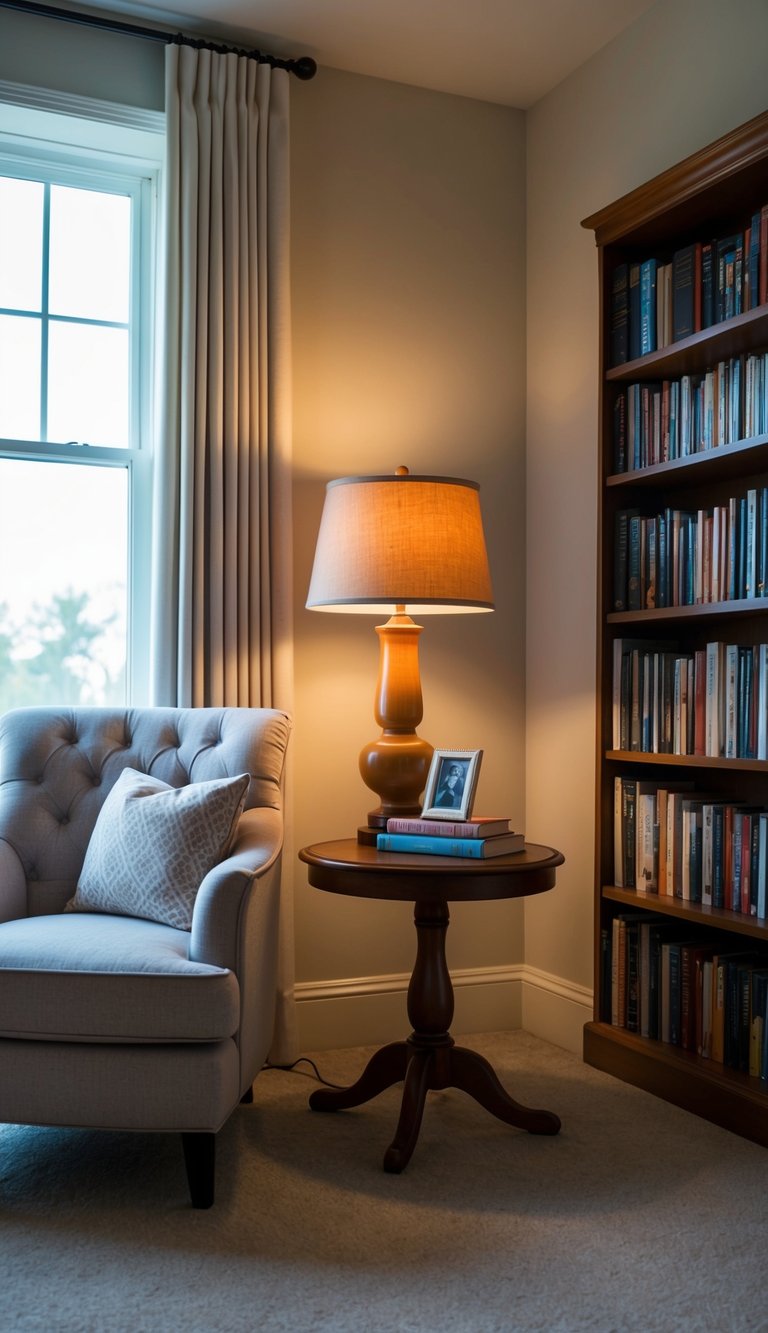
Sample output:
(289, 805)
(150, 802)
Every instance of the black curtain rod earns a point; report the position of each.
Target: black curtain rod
(304, 67)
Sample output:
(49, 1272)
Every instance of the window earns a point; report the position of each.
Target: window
(75, 270)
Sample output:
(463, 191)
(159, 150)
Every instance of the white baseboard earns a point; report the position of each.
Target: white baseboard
(554, 1009)
(367, 1011)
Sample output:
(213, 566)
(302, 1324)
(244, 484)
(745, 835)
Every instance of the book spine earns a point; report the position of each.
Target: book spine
(634, 311)
(683, 292)
(619, 315)
(472, 848)
(431, 828)
(647, 306)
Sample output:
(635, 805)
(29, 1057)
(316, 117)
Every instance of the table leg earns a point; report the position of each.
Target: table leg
(472, 1073)
(384, 1068)
(417, 1084)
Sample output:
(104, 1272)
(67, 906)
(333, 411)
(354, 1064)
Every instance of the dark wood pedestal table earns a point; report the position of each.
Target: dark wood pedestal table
(429, 1058)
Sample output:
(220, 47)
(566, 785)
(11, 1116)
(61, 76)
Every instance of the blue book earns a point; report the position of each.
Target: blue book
(634, 311)
(647, 306)
(478, 849)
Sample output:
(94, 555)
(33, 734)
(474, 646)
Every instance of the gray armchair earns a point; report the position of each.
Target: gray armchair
(119, 1022)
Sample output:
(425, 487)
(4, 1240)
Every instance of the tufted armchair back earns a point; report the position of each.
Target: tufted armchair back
(57, 766)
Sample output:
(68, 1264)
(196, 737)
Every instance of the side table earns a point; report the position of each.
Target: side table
(429, 1058)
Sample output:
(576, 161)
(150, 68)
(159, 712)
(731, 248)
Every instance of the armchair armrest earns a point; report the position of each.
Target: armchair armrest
(13, 884)
(220, 907)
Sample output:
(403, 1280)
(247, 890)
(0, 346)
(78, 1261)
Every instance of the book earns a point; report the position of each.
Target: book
(479, 826)
(620, 315)
(478, 849)
(634, 311)
(647, 306)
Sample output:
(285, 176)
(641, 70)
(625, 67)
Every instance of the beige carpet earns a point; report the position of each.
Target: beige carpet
(637, 1217)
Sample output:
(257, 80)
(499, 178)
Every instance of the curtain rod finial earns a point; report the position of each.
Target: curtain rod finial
(304, 68)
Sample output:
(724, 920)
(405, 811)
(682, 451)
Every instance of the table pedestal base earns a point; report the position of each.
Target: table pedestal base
(430, 1059)
(424, 1068)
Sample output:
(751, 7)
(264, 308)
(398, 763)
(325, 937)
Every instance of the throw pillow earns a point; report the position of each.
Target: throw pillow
(152, 845)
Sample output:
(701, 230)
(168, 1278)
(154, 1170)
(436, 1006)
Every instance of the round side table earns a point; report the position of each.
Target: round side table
(429, 1058)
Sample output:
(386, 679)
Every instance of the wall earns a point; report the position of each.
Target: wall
(48, 53)
(408, 215)
(409, 322)
(685, 73)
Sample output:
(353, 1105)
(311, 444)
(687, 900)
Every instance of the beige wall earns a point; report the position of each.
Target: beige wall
(685, 73)
(48, 53)
(409, 347)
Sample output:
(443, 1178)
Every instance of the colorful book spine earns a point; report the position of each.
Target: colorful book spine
(481, 827)
(647, 306)
(477, 849)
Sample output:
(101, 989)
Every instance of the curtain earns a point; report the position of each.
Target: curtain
(221, 628)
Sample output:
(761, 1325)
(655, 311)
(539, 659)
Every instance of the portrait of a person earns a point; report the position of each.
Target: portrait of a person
(450, 788)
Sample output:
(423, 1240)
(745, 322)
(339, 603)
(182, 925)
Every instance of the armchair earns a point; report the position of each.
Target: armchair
(120, 1022)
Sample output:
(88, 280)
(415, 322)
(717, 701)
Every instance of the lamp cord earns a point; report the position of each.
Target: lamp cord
(304, 1059)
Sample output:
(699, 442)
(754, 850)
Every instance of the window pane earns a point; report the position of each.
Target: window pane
(90, 253)
(19, 378)
(88, 384)
(62, 615)
(21, 243)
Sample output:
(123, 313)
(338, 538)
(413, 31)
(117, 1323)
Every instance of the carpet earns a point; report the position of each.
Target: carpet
(637, 1216)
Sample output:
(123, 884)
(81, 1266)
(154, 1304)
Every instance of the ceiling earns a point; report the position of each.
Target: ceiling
(507, 51)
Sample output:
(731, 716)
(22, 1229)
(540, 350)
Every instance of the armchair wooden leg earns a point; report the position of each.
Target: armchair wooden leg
(200, 1160)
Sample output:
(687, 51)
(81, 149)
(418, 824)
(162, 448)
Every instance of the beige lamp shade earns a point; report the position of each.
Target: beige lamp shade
(401, 541)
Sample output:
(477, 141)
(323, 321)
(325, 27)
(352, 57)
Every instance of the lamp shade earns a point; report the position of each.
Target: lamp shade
(401, 540)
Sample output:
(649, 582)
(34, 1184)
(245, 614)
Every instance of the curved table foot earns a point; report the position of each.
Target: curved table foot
(417, 1084)
(472, 1073)
(386, 1067)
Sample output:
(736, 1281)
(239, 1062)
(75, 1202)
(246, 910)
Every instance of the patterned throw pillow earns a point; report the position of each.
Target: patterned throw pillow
(152, 845)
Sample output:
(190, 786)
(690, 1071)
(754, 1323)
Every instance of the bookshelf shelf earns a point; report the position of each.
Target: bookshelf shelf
(727, 1097)
(724, 462)
(741, 608)
(742, 333)
(713, 917)
(712, 765)
(716, 194)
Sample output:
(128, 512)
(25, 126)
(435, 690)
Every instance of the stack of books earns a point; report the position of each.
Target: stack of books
(481, 837)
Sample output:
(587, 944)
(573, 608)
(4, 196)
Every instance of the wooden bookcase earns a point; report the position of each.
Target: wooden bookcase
(709, 195)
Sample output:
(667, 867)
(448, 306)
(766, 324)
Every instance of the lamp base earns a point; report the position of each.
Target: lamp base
(395, 766)
(367, 835)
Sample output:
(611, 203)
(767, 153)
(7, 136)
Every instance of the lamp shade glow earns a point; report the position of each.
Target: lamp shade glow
(401, 540)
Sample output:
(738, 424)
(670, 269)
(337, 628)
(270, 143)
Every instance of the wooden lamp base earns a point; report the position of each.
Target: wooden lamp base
(395, 766)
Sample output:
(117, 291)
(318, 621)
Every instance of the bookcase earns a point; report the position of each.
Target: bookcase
(681, 928)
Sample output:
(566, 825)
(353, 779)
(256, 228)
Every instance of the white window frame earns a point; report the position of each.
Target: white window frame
(91, 144)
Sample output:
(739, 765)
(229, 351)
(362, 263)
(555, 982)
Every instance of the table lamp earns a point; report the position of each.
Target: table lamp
(399, 544)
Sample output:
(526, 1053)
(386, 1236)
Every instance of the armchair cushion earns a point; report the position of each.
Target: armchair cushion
(153, 844)
(92, 977)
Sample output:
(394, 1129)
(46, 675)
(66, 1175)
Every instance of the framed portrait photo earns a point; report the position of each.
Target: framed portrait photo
(451, 784)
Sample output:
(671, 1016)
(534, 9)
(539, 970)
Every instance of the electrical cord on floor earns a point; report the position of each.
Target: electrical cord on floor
(304, 1060)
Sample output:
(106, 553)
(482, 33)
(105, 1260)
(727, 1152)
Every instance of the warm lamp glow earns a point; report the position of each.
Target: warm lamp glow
(401, 540)
(400, 544)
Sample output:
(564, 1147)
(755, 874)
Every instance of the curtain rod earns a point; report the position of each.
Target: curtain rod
(304, 67)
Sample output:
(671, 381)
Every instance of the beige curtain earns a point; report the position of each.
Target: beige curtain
(221, 631)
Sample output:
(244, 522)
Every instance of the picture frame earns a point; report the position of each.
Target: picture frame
(452, 774)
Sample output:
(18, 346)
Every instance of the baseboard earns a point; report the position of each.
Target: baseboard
(367, 1011)
(555, 1010)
